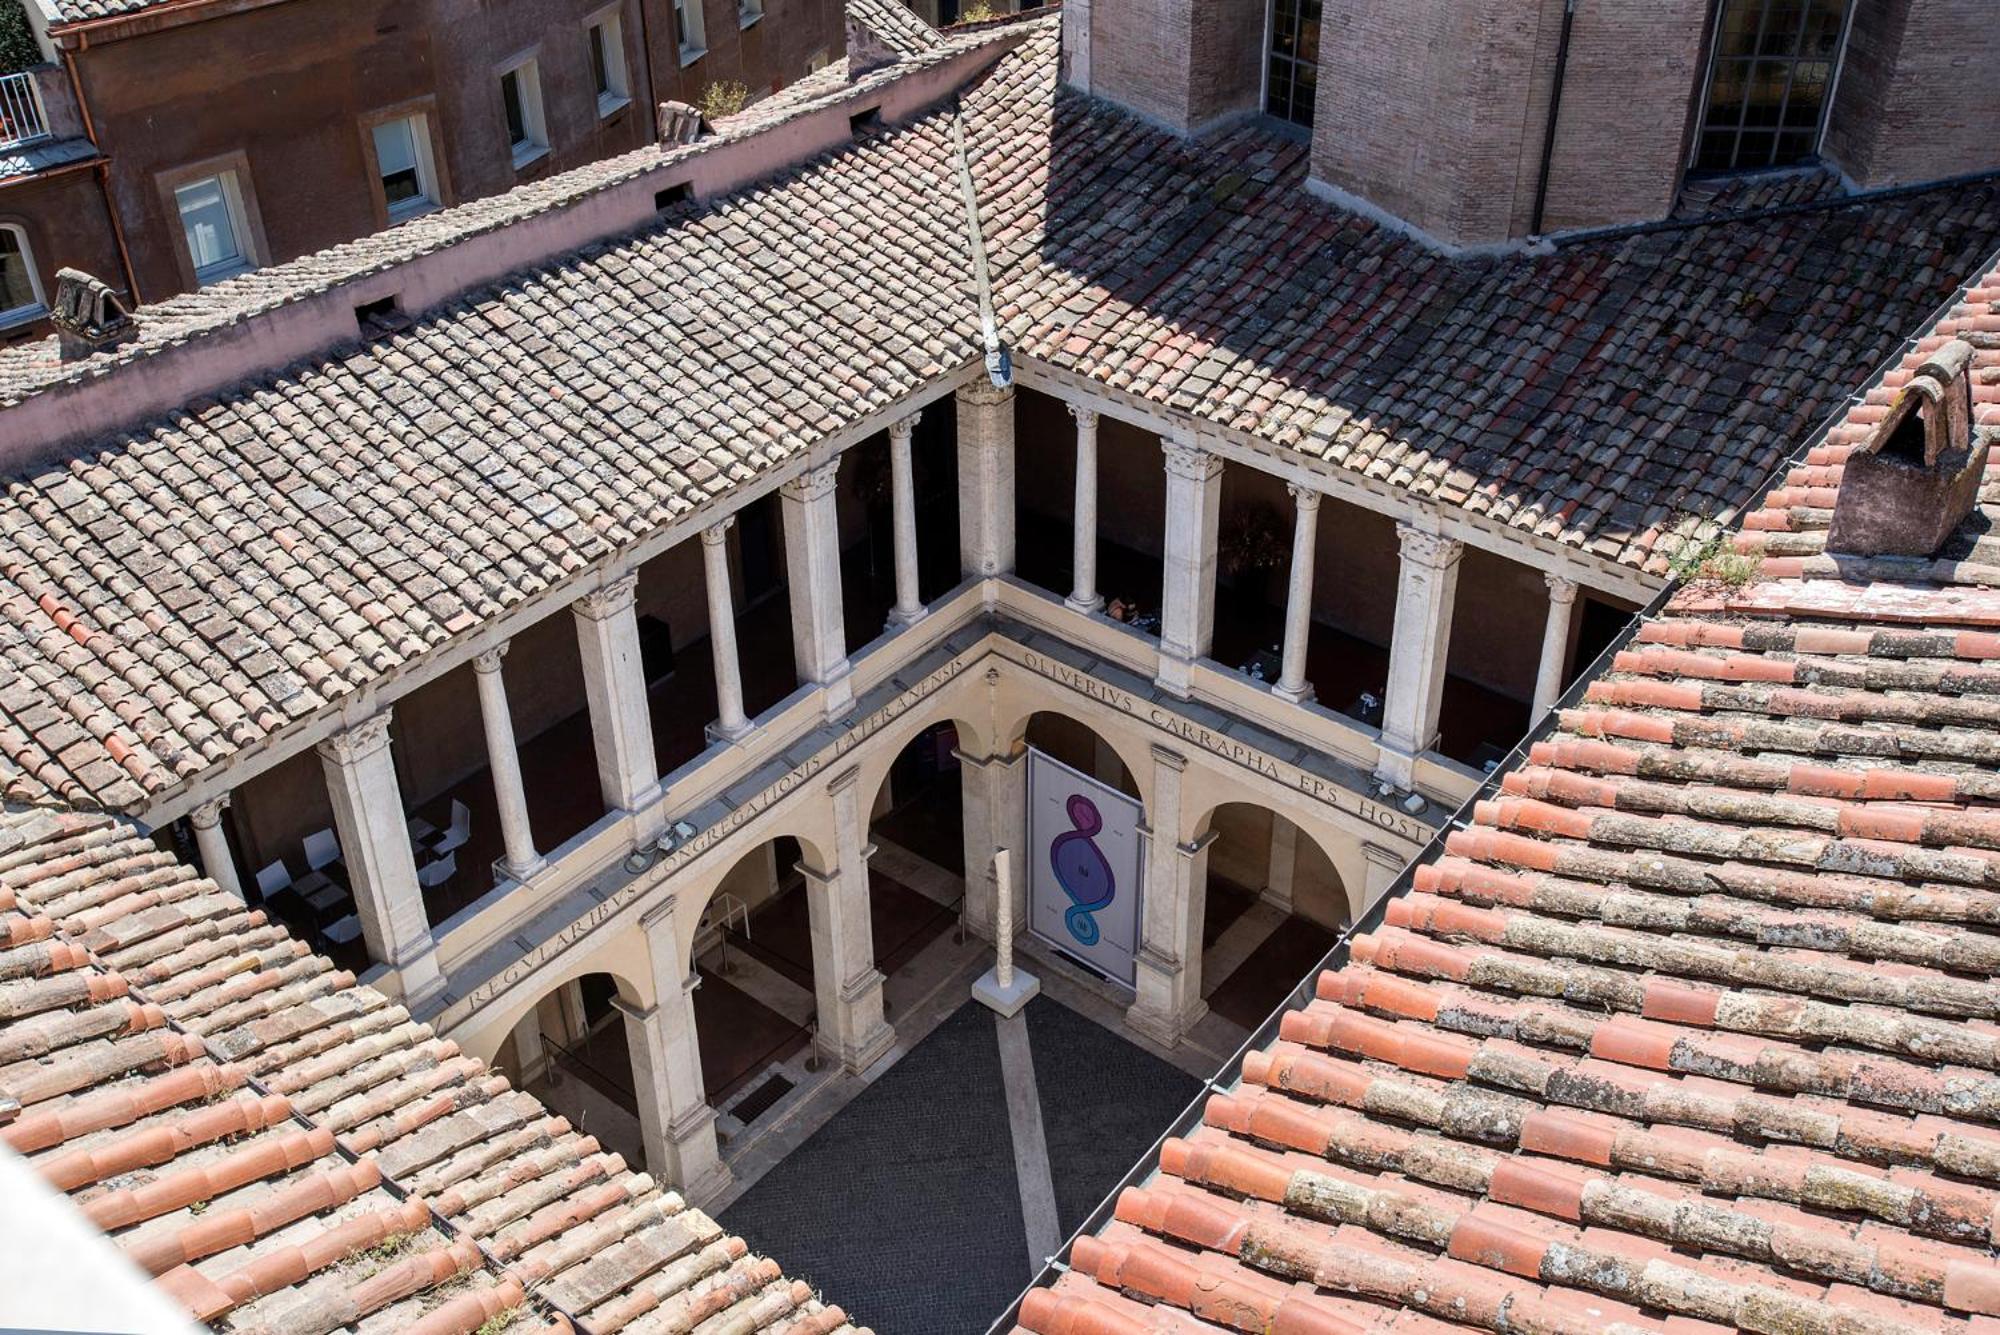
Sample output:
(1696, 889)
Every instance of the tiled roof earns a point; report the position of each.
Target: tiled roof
(287, 1151)
(183, 591)
(1599, 395)
(61, 12)
(896, 24)
(1694, 1028)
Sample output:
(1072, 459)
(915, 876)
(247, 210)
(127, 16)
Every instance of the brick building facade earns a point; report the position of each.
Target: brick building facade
(167, 146)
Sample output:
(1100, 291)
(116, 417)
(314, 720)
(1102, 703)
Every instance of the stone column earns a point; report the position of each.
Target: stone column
(212, 842)
(731, 723)
(527, 1041)
(1424, 595)
(985, 479)
(1385, 864)
(381, 866)
(846, 984)
(676, 1124)
(1282, 871)
(812, 565)
(1084, 595)
(909, 607)
(1555, 643)
(995, 799)
(614, 684)
(1292, 684)
(1187, 614)
(1168, 967)
(521, 860)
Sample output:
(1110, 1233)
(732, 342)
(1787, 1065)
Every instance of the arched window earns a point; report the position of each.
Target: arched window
(20, 285)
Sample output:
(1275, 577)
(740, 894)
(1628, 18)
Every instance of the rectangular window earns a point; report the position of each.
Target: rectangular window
(20, 288)
(607, 64)
(1292, 78)
(1768, 81)
(749, 11)
(213, 225)
(403, 156)
(521, 101)
(688, 30)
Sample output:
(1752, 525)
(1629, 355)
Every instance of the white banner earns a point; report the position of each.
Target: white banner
(1084, 856)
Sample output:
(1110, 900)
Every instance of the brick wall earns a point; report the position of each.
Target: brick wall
(1435, 111)
(1183, 64)
(1916, 99)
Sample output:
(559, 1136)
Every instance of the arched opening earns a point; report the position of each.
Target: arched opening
(916, 877)
(1275, 905)
(1083, 749)
(571, 1050)
(754, 1010)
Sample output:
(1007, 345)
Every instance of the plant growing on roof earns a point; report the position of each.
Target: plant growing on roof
(723, 99)
(976, 12)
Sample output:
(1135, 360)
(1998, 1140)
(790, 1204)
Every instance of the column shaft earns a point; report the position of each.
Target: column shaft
(1168, 978)
(1084, 596)
(1292, 684)
(375, 846)
(1424, 594)
(985, 479)
(731, 722)
(903, 499)
(1555, 643)
(812, 565)
(521, 860)
(1187, 614)
(614, 683)
(212, 842)
(676, 1124)
(846, 983)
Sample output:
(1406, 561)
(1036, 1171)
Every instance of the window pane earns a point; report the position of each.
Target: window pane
(16, 288)
(510, 95)
(396, 153)
(598, 65)
(1784, 88)
(205, 218)
(1309, 32)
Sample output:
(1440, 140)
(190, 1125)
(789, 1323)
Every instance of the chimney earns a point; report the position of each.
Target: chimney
(1906, 488)
(866, 51)
(679, 124)
(88, 316)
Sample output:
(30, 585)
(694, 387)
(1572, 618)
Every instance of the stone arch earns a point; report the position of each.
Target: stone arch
(757, 870)
(1263, 847)
(1054, 731)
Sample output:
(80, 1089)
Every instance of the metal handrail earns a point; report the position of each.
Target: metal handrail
(23, 120)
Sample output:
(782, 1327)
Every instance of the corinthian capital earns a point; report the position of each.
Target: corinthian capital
(358, 742)
(1307, 498)
(1188, 460)
(815, 484)
(1433, 550)
(904, 427)
(615, 597)
(1086, 418)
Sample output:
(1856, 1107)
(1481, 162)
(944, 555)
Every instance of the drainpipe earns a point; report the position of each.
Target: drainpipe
(103, 174)
(1549, 130)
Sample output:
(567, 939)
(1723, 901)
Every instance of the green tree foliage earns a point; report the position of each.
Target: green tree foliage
(18, 48)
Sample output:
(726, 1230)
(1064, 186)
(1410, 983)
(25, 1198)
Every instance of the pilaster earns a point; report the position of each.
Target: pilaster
(985, 479)
(1168, 967)
(1187, 613)
(848, 986)
(1425, 591)
(614, 684)
(812, 563)
(676, 1124)
(1385, 864)
(994, 792)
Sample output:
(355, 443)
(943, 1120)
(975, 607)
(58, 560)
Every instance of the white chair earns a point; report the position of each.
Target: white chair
(345, 931)
(274, 878)
(437, 873)
(322, 847)
(461, 828)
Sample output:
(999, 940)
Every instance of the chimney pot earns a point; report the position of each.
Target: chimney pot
(866, 51)
(679, 124)
(1906, 488)
(88, 316)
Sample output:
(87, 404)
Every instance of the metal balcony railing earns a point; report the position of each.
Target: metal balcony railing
(22, 119)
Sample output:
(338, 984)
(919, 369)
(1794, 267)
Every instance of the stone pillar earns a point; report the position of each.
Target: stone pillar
(1076, 45)
(212, 842)
(381, 866)
(1292, 684)
(846, 983)
(985, 479)
(1187, 614)
(527, 1041)
(994, 792)
(1282, 870)
(909, 607)
(1424, 594)
(520, 860)
(676, 1124)
(1555, 643)
(812, 564)
(1385, 864)
(1168, 967)
(614, 684)
(731, 723)
(1084, 595)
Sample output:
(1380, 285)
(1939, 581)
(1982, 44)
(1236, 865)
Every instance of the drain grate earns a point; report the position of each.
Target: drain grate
(759, 1100)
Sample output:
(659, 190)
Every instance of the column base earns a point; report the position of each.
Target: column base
(718, 735)
(1297, 697)
(419, 981)
(857, 1057)
(1176, 675)
(1396, 766)
(503, 870)
(1087, 606)
(838, 692)
(1167, 1029)
(901, 620)
(1006, 1001)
